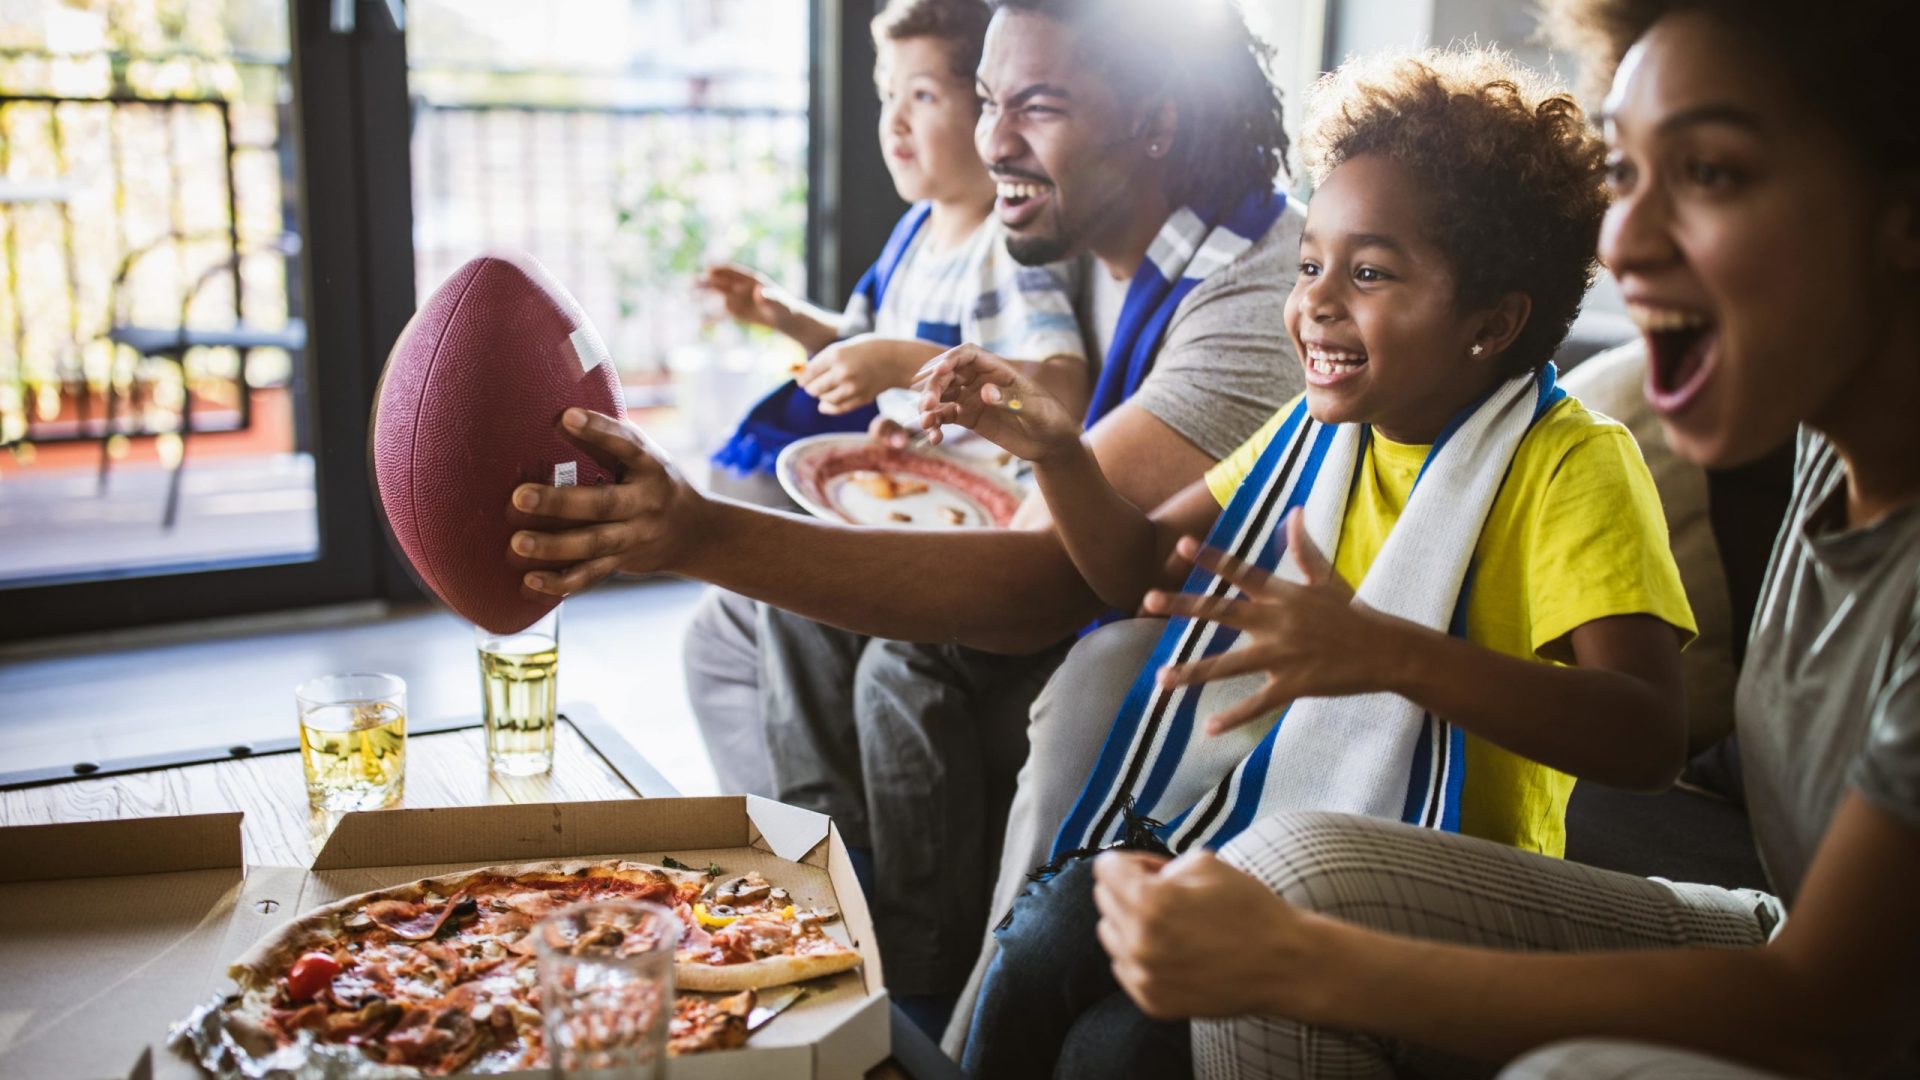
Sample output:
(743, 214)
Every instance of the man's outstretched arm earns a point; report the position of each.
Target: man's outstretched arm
(997, 589)
(1001, 590)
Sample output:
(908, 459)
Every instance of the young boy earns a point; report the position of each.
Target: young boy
(1518, 616)
(944, 276)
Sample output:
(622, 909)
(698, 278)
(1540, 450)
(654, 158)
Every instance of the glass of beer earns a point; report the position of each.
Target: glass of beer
(353, 740)
(519, 677)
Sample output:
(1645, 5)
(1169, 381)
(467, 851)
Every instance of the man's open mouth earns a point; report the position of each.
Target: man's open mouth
(1680, 352)
(1019, 192)
(1020, 200)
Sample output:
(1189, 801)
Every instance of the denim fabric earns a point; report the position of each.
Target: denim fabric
(1049, 1005)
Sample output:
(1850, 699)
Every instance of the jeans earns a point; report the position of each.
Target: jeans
(1049, 1005)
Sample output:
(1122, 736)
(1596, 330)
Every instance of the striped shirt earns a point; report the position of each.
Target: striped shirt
(977, 294)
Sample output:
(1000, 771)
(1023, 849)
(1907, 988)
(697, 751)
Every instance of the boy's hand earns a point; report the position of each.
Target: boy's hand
(1196, 937)
(641, 524)
(851, 373)
(1311, 640)
(970, 386)
(749, 296)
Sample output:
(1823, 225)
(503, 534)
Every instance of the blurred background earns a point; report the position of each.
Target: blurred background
(215, 216)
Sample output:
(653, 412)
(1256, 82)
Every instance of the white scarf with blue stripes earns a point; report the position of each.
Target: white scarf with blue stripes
(1376, 754)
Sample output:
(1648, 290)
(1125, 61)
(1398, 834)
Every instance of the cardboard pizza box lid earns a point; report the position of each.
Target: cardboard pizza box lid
(111, 931)
(104, 927)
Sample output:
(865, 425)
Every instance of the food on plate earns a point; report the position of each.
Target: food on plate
(895, 515)
(954, 515)
(886, 485)
(439, 975)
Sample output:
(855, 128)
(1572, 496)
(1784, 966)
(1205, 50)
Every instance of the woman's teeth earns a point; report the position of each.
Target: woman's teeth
(1332, 361)
(1662, 319)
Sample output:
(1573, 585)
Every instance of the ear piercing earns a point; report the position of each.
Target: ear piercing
(1476, 350)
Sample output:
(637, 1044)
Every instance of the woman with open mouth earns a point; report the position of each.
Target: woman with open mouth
(1765, 230)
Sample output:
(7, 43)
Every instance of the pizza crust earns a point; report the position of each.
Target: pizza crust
(762, 973)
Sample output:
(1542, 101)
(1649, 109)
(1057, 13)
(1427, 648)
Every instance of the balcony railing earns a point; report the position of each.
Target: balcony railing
(114, 205)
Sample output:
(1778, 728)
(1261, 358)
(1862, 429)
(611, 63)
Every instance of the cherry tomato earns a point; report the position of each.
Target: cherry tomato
(311, 974)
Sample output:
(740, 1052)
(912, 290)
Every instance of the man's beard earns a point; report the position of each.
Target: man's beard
(1039, 249)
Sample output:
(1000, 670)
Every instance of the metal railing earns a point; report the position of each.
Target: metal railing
(622, 202)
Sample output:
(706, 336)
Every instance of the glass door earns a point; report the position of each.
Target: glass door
(184, 367)
(625, 144)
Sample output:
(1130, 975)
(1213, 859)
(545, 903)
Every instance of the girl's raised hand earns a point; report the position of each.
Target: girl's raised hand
(975, 389)
(1310, 639)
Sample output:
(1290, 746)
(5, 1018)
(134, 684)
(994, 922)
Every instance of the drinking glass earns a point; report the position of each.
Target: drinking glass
(606, 986)
(353, 740)
(519, 677)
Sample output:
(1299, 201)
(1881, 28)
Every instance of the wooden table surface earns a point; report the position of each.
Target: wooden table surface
(445, 769)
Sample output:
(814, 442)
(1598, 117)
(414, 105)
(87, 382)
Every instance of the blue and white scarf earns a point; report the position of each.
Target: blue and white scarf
(1188, 248)
(1376, 754)
(790, 413)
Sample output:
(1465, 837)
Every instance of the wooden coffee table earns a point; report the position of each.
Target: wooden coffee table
(446, 766)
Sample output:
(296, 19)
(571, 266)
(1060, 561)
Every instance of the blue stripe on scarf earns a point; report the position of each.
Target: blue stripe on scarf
(790, 413)
(1268, 559)
(1139, 699)
(1152, 299)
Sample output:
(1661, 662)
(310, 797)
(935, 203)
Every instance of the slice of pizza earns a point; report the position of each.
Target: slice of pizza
(758, 951)
(701, 1023)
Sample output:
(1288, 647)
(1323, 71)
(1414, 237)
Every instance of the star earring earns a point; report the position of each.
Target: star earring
(1476, 350)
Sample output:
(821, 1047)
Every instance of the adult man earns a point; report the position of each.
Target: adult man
(1142, 133)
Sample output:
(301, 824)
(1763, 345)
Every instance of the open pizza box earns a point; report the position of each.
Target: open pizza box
(111, 931)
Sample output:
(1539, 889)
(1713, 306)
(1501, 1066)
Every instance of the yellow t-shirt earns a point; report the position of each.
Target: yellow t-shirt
(1575, 534)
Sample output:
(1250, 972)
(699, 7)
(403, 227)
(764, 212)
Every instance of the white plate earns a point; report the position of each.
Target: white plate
(964, 493)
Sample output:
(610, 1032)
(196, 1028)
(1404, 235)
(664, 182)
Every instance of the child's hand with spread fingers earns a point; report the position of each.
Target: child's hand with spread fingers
(975, 389)
(1309, 637)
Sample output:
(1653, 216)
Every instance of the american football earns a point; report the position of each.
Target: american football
(468, 409)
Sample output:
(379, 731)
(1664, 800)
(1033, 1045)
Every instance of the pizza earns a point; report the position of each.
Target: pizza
(440, 975)
(704, 1023)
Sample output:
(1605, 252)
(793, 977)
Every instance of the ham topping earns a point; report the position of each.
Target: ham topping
(416, 921)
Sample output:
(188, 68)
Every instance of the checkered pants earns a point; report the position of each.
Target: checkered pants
(1449, 888)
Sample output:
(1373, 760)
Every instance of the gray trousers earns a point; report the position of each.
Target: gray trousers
(911, 749)
(1069, 725)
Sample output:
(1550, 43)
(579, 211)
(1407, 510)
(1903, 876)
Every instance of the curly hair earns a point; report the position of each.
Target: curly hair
(1513, 174)
(961, 25)
(1200, 56)
(1850, 62)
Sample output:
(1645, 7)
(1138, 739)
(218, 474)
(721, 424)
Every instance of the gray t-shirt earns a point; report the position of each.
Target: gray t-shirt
(1830, 692)
(1227, 362)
